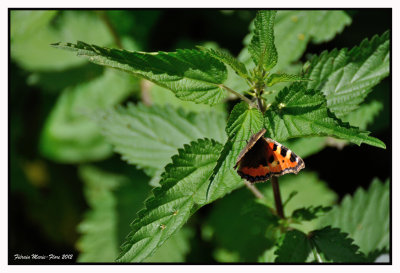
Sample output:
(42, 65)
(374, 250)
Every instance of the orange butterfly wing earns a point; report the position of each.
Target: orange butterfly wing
(263, 158)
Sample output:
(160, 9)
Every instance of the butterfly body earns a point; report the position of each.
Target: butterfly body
(263, 158)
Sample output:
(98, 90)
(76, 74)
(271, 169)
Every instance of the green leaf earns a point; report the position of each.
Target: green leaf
(241, 123)
(361, 118)
(336, 246)
(69, 135)
(277, 78)
(294, 29)
(182, 190)
(239, 216)
(149, 136)
(191, 74)
(365, 216)
(32, 32)
(225, 57)
(262, 47)
(293, 247)
(299, 112)
(103, 226)
(310, 213)
(346, 77)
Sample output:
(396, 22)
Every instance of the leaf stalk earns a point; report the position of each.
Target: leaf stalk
(237, 94)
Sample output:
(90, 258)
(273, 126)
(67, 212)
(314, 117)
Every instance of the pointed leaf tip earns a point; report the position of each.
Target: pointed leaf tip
(262, 46)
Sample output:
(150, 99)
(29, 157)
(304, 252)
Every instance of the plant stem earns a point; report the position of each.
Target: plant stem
(277, 197)
(237, 94)
(260, 105)
(254, 190)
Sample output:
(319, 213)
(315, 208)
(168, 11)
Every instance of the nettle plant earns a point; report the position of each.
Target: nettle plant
(310, 106)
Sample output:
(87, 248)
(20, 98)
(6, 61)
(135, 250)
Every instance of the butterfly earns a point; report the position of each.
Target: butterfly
(263, 158)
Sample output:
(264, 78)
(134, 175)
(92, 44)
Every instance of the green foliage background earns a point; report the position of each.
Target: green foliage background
(89, 143)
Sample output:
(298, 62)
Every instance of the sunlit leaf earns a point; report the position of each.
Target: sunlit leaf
(191, 74)
(277, 78)
(347, 76)
(262, 47)
(299, 112)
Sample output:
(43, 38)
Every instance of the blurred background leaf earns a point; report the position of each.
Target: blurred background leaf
(69, 134)
(113, 199)
(365, 216)
(32, 32)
